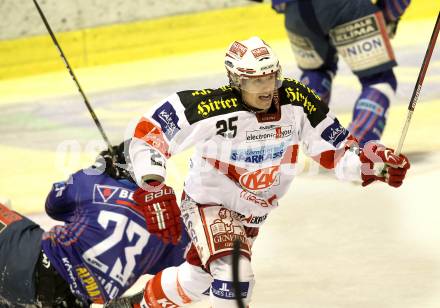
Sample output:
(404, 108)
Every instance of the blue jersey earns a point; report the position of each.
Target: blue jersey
(104, 246)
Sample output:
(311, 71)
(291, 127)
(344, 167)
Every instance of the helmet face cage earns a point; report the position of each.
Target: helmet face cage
(249, 59)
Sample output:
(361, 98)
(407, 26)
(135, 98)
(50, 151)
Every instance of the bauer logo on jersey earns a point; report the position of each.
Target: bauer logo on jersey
(269, 133)
(260, 179)
(335, 133)
(167, 117)
(259, 155)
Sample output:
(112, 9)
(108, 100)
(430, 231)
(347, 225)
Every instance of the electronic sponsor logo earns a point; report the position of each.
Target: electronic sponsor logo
(335, 133)
(167, 117)
(90, 284)
(366, 104)
(260, 52)
(226, 229)
(269, 133)
(205, 108)
(260, 179)
(238, 49)
(224, 289)
(259, 155)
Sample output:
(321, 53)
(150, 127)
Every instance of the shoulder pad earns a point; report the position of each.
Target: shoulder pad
(293, 92)
(206, 103)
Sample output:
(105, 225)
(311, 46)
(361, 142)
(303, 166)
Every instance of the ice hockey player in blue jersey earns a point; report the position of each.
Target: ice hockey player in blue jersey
(357, 30)
(102, 248)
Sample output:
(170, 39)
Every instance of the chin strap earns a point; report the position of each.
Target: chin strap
(252, 109)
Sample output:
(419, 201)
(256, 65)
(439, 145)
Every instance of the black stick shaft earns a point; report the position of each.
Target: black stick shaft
(235, 273)
(418, 85)
(69, 68)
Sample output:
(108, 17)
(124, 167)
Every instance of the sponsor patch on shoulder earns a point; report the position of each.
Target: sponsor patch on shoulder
(335, 133)
(167, 117)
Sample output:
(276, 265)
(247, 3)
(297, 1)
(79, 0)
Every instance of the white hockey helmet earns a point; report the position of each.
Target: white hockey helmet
(251, 58)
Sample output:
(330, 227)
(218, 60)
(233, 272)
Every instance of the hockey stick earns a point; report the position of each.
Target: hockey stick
(235, 271)
(69, 68)
(418, 85)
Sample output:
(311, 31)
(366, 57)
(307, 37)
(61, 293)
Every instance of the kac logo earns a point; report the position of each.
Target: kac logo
(260, 179)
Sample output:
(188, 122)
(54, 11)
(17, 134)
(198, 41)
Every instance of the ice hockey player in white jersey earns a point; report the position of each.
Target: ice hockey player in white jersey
(246, 137)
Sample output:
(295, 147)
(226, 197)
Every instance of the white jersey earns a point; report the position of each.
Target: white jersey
(243, 161)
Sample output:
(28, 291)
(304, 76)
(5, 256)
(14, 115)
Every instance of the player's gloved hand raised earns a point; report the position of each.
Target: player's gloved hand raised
(380, 163)
(160, 210)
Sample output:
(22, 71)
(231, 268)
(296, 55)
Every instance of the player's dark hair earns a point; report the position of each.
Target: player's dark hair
(118, 165)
